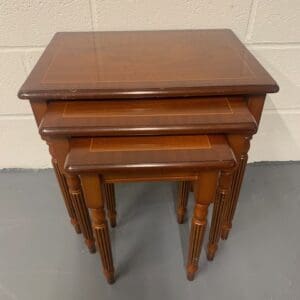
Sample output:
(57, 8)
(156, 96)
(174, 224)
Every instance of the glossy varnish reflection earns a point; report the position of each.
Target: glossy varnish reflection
(145, 64)
(142, 152)
(148, 117)
(99, 165)
(94, 85)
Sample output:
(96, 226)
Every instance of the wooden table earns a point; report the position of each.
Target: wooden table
(146, 83)
(205, 160)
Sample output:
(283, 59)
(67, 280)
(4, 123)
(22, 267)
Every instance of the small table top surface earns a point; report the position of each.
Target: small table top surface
(151, 152)
(139, 64)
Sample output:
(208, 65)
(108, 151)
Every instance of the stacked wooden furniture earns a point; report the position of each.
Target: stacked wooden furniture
(100, 88)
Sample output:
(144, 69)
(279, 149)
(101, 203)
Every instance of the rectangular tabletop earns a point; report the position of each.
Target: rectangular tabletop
(106, 154)
(148, 116)
(139, 64)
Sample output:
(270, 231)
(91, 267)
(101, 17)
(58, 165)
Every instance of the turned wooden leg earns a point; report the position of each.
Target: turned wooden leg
(207, 181)
(240, 145)
(93, 191)
(66, 195)
(183, 194)
(218, 212)
(81, 211)
(232, 203)
(103, 242)
(196, 238)
(56, 152)
(110, 200)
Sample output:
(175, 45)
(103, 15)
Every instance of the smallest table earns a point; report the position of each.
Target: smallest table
(200, 159)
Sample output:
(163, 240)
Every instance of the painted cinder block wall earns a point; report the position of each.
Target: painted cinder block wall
(270, 29)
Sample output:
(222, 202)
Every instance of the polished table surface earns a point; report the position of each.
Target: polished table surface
(150, 152)
(148, 117)
(139, 64)
(148, 89)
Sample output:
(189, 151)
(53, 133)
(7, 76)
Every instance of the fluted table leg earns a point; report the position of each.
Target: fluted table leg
(66, 195)
(218, 212)
(94, 196)
(103, 242)
(183, 194)
(208, 182)
(240, 145)
(81, 211)
(196, 238)
(110, 200)
(232, 203)
(56, 156)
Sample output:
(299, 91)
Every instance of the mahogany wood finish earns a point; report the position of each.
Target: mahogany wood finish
(203, 197)
(93, 190)
(109, 193)
(39, 109)
(58, 163)
(150, 158)
(81, 211)
(219, 210)
(59, 148)
(67, 197)
(183, 193)
(115, 155)
(95, 84)
(241, 144)
(148, 117)
(218, 217)
(140, 64)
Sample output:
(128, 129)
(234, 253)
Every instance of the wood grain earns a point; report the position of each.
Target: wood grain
(141, 64)
(148, 117)
(151, 152)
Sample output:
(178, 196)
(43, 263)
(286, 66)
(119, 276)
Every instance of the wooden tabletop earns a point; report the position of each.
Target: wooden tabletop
(151, 152)
(148, 117)
(139, 64)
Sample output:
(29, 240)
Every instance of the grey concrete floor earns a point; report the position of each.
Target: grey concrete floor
(42, 258)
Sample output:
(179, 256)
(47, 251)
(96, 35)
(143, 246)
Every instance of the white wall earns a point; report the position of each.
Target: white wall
(271, 30)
